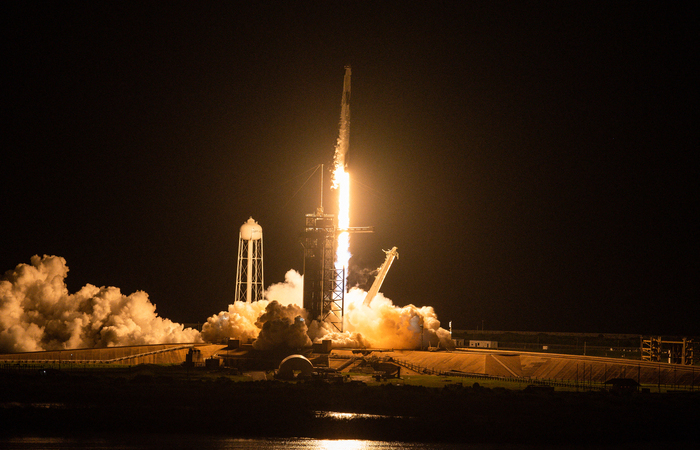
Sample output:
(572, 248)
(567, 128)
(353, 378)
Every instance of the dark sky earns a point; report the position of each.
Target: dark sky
(532, 161)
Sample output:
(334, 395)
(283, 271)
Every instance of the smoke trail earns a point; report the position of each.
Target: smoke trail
(343, 143)
(361, 278)
(38, 313)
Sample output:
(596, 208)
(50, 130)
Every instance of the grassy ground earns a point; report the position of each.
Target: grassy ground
(434, 381)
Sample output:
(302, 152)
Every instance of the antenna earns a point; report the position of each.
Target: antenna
(320, 207)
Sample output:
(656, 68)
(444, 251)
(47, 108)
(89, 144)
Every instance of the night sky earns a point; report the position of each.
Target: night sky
(532, 161)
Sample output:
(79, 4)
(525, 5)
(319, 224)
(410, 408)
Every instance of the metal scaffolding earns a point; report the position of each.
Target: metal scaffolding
(324, 290)
(678, 352)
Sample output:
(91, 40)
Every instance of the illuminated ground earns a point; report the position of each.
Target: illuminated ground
(132, 355)
(540, 366)
(497, 363)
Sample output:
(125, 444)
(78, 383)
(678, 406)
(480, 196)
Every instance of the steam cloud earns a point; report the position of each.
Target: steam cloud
(282, 326)
(38, 313)
(272, 324)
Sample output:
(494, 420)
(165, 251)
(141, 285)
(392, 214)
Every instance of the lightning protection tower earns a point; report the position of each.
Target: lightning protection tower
(249, 274)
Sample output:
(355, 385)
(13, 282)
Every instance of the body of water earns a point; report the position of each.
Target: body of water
(198, 442)
(209, 443)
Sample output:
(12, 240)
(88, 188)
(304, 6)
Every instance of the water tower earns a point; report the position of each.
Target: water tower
(249, 274)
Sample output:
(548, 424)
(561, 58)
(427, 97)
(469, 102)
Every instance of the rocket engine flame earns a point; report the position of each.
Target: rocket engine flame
(343, 251)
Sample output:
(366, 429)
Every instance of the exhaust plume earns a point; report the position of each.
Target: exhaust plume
(238, 322)
(242, 320)
(282, 326)
(273, 324)
(386, 325)
(38, 313)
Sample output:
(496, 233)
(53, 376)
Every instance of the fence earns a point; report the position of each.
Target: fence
(72, 364)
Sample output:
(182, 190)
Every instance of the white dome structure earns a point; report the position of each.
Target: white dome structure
(295, 366)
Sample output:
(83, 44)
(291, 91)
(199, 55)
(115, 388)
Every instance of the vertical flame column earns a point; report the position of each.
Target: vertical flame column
(249, 273)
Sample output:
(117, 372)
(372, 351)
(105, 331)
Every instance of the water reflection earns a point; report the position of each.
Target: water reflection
(351, 416)
(350, 444)
(327, 444)
(148, 442)
(188, 442)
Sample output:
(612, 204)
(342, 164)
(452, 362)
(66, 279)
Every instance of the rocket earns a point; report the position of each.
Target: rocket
(341, 148)
(346, 94)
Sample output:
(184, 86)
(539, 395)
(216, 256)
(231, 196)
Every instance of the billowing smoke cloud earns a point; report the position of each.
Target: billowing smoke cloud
(289, 292)
(383, 325)
(236, 323)
(243, 321)
(38, 313)
(361, 277)
(282, 326)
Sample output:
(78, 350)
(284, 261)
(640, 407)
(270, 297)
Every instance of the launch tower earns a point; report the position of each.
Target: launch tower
(324, 290)
(249, 274)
